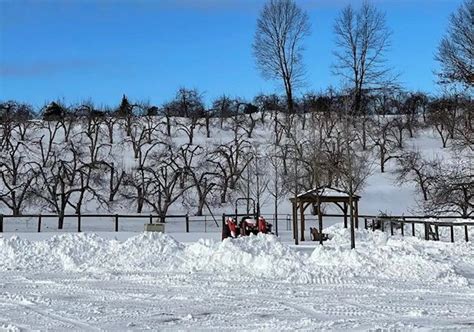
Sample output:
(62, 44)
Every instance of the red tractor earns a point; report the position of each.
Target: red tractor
(250, 223)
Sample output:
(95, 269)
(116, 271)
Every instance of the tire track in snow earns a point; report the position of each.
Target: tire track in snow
(50, 316)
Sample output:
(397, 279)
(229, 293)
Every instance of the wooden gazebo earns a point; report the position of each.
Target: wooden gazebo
(318, 196)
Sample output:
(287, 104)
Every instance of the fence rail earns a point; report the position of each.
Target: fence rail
(393, 221)
(79, 217)
(429, 233)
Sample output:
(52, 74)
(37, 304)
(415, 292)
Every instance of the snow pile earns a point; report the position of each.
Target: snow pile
(89, 252)
(381, 256)
(259, 256)
(377, 257)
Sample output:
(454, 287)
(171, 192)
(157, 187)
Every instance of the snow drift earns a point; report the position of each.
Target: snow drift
(377, 256)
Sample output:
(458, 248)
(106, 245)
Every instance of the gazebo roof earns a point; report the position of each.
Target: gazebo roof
(325, 194)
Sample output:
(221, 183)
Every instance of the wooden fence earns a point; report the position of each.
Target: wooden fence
(395, 224)
(383, 223)
(79, 217)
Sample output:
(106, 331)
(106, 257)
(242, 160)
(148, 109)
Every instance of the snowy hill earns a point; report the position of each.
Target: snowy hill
(177, 165)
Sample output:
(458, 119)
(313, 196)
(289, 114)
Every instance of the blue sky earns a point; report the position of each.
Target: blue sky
(76, 50)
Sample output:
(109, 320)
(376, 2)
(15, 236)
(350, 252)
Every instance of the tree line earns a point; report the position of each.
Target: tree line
(152, 157)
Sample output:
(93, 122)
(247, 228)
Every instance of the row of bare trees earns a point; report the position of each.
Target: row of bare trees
(156, 161)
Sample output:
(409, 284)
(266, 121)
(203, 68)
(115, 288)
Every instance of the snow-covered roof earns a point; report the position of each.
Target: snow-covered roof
(326, 192)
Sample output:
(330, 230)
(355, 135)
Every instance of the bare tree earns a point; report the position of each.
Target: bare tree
(464, 131)
(362, 39)
(456, 50)
(202, 173)
(231, 159)
(137, 188)
(268, 103)
(413, 104)
(277, 46)
(452, 189)
(189, 126)
(397, 128)
(383, 141)
(111, 122)
(250, 120)
(257, 177)
(442, 115)
(276, 187)
(187, 103)
(138, 178)
(224, 107)
(16, 175)
(116, 176)
(61, 177)
(164, 180)
(412, 167)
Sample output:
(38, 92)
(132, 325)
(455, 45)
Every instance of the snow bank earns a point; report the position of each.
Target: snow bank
(377, 256)
(381, 256)
(89, 252)
(259, 256)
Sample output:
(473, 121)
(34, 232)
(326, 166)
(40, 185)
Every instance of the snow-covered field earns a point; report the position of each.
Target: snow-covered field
(102, 280)
(151, 281)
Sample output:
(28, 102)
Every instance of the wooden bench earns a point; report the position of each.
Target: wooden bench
(316, 236)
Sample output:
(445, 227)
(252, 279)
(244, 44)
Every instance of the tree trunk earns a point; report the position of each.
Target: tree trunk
(200, 207)
(61, 220)
(208, 130)
(16, 211)
(168, 126)
(364, 134)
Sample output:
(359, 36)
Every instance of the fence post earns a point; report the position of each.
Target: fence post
(116, 222)
(452, 232)
(223, 225)
(403, 226)
(391, 227)
(426, 231)
(151, 219)
(365, 223)
(39, 223)
(205, 224)
(276, 224)
(382, 225)
(79, 222)
(187, 223)
(437, 231)
(1, 223)
(465, 233)
(373, 225)
(413, 225)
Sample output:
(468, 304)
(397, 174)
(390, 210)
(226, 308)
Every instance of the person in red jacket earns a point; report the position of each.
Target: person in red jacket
(262, 225)
(232, 227)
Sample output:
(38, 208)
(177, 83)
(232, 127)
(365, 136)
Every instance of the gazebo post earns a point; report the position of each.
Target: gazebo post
(320, 224)
(345, 215)
(356, 212)
(296, 224)
(352, 222)
(302, 220)
(294, 218)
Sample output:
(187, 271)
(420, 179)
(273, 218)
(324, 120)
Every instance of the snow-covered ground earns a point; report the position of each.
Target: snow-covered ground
(131, 280)
(151, 281)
